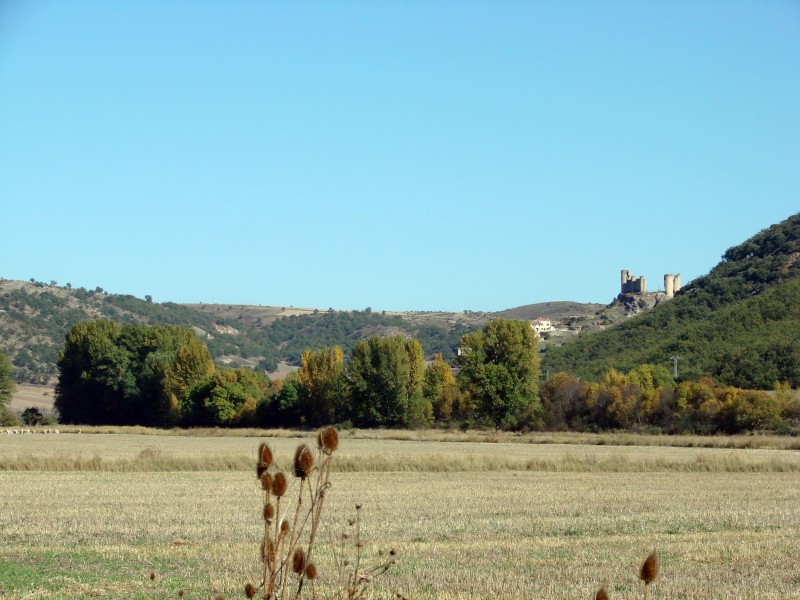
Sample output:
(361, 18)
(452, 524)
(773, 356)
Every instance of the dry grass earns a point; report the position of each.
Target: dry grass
(477, 533)
(743, 441)
(163, 452)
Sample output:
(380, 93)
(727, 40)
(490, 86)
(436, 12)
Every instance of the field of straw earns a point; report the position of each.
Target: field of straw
(140, 514)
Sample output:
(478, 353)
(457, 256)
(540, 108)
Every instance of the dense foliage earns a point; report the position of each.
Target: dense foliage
(740, 324)
(648, 398)
(500, 371)
(163, 375)
(129, 374)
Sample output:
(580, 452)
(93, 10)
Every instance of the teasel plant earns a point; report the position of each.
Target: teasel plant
(355, 574)
(290, 533)
(649, 571)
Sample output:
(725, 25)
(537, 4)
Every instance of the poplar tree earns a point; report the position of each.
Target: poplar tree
(500, 370)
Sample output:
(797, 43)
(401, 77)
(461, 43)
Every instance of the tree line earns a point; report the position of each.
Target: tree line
(647, 398)
(162, 375)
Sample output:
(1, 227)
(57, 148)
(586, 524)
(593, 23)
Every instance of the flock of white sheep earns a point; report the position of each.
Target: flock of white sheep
(31, 431)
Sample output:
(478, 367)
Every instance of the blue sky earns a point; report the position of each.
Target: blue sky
(399, 155)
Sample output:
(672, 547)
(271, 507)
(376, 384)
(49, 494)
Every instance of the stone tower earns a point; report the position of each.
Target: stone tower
(672, 283)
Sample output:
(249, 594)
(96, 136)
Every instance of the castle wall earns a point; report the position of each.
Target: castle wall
(631, 284)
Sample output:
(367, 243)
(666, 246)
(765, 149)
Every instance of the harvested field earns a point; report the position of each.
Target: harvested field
(499, 521)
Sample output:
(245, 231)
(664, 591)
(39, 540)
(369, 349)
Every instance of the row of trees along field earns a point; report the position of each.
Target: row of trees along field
(163, 375)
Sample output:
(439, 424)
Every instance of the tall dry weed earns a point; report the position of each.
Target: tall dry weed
(291, 529)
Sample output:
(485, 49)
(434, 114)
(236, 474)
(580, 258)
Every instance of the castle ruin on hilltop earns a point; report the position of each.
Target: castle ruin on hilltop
(630, 284)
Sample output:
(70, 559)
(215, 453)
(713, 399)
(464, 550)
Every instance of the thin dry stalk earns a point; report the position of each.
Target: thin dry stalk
(356, 581)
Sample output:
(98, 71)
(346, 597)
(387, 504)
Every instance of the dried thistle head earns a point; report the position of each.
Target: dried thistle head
(266, 481)
(328, 440)
(152, 576)
(601, 594)
(311, 571)
(265, 455)
(303, 461)
(269, 511)
(298, 560)
(279, 484)
(285, 527)
(249, 590)
(181, 593)
(649, 570)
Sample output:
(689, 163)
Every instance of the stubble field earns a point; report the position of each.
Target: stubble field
(95, 515)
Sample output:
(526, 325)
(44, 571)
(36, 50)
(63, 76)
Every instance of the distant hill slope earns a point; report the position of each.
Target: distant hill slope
(35, 317)
(739, 324)
(555, 311)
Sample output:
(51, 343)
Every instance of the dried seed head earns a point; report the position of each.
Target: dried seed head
(266, 481)
(265, 455)
(298, 561)
(311, 571)
(328, 440)
(303, 461)
(284, 527)
(279, 484)
(601, 594)
(649, 570)
(249, 590)
(181, 593)
(269, 511)
(152, 576)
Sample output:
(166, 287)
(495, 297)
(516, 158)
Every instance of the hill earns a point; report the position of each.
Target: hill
(35, 317)
(740, 324)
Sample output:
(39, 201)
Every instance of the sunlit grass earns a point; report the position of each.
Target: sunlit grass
(481, 530)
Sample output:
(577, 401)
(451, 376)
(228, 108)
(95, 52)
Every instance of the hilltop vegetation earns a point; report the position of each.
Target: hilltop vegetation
(35, 318)
(740, 324)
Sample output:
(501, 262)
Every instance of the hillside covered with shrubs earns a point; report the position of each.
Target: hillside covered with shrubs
(35, 318)
(740, 324)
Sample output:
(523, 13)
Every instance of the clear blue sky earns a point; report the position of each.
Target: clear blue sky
(408, 155)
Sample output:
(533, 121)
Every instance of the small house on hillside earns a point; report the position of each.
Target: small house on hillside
(542, 325)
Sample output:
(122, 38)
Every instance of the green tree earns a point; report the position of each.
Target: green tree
(132, 374)
(7, 385)
(384, 374)
(324, 386)
(32, 416)
(227, 397)
(439, 386)
(7, 389)
(94, 374)
(500, 371)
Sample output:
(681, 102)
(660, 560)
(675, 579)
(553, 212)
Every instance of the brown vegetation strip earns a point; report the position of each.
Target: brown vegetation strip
(155, 461)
